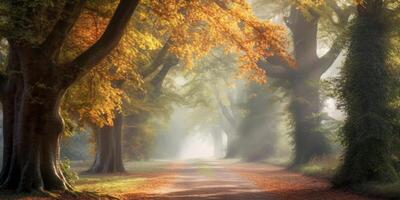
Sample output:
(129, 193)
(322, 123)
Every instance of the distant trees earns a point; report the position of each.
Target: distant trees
(368, 132)
(187, 41)
(258, 131)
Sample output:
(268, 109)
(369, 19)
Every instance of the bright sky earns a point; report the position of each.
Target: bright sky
(197, 145)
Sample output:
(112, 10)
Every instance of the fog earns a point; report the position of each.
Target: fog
(208, 112)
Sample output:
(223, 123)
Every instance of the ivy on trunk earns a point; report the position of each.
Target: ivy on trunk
(363, 88)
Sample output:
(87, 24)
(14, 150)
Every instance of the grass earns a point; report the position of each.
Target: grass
(109, 185)
(137, 176)
(322, 168)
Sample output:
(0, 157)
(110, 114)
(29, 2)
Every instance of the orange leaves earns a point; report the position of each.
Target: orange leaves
(95, 98)
(196, 27)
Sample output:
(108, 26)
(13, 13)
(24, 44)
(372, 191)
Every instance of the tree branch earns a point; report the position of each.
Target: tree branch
(158, 80)
(158, 60)
(277, 61)
(326, 61)
(107, 42)
(274, 71)
(342, 13)
(225, 111)
(63, 26)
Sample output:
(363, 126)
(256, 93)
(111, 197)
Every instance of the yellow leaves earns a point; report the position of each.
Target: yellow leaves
(196, 27)
(95, 99)
(310, 3)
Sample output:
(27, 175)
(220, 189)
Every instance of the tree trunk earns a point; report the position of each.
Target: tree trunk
(305, 103)
(132, 132)
(218, 143)
(109, 149)
(32, 125)
(36, 84)
(231, 146)
(368, 130)
(305, 108)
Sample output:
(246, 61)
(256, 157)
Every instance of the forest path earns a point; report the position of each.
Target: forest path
(210, 180)
(225, 180)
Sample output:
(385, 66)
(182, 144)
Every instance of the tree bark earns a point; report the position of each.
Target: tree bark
(109, 148)
(33, 124)
(305, 108)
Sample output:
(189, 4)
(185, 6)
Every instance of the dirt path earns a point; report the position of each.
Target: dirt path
(205, 180)
(209, 180)
(216, 180)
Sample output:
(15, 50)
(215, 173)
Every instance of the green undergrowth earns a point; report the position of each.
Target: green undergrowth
(386, 191)
(322, 168)
(326, 168)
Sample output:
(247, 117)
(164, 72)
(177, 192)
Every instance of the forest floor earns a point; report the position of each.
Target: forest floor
(204, 180)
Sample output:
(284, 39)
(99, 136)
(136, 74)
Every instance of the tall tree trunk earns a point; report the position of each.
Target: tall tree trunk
(218, 143)
(109, 148)
(231, 146)
(367, 132)
(32, 125)
(11, 99)
(305, 105)
(305, 108)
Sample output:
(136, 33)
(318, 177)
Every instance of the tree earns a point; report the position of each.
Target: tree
(258, 131)
(37, 82)
(364, 92)
(108, 157)
(302, 82)
(97, 100)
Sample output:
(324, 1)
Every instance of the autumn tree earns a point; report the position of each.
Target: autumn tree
(99, 99)
(36, 81)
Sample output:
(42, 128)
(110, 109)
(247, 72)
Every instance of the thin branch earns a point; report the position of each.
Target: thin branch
(276, 60)
(274, 71)
(158, 80)
(63, 26)
(224, 110)
(326, 61)
(157, 61)
(342, 13)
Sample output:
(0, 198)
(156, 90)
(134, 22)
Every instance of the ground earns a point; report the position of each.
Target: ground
(203, 180)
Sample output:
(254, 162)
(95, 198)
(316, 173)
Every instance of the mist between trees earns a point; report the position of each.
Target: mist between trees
(285, 82)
